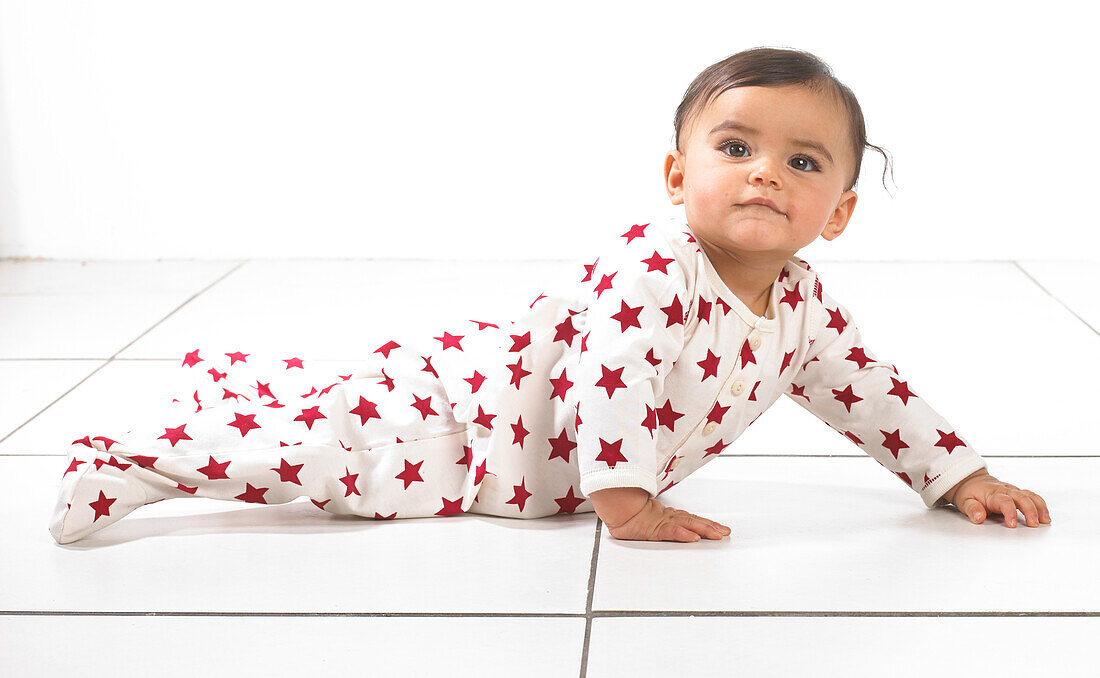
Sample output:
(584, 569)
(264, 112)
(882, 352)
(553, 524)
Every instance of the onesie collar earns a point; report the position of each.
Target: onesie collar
(796, 269)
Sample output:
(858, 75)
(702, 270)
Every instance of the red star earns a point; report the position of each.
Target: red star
(321, 504)
(191, 359)
(310, 415)
(385, 349)
(479, 473)
(215, 374)
(450, 341)
(102, 506)
(294, 362)
(853, 437)
(518, 373)
(520, 342)
(288, 473)
(716, 413)
(235, 356)
(798, 391)
(519, 433)
(263, 389)
(605, 284)
(668, 416)
(520, 495)
(569, 503)
(611, 380)
(565, 331)
(450, 507)
(107, 442)
(251, 494)
(949, 441)
(791, 297)
(467, 458)
(650, 421)
(787, 357)
(652, 359)
(584, 341)
(561, 446)
(366, 411)
(836, 321)
(215, 471)
(99, 464)
(589, 269)
(847, 397)
(704, 309)
(858, 356)
(609, 452)
(635, 231)
(174, 435)
(424, 406)
(484, 419)
(675, 312)
(657, 262)
(73, 463)
(244, 423)
(482, 325)
(709, 365)
(411, 474)
(628, 317)
(715, 448)
(475, 381)
(349, 483)
(561, 386)
(893, 441)
(747, 355)
(428, 366)
(387, 382)
(537, 300)
(901, 390)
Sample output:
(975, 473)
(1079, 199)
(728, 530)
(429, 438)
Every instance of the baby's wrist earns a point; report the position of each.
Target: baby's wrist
(617, 505)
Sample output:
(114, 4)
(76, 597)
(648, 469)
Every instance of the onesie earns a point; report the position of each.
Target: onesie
(635, 371)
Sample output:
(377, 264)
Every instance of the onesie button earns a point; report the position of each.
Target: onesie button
(737, 388)
(755, 342)
(709, 428)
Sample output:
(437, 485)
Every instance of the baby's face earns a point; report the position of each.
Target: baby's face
(766, 157)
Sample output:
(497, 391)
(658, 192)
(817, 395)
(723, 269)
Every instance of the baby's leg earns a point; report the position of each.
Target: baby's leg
(366, 443)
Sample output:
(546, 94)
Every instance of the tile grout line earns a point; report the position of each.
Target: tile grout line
(1064, 305)
(110, 359)
(609, 614)
(588, 603)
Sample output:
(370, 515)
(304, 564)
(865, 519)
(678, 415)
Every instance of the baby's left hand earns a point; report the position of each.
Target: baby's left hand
(980, 492)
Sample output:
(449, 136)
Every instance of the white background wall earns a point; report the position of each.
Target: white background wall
(134, 129)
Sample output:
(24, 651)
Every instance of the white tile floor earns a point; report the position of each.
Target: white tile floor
(829, 554)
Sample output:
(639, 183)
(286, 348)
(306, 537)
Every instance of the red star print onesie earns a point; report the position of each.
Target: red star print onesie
(637, 372)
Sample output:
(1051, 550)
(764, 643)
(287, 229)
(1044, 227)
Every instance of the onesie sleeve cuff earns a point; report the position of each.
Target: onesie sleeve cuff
(933, 494)
(619, 477)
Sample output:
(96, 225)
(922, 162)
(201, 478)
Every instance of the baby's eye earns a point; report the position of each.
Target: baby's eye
(807, 159)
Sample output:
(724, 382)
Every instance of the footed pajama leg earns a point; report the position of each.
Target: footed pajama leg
(374, 443)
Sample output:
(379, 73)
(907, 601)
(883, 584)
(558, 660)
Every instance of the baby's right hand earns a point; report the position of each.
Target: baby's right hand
(657, 522)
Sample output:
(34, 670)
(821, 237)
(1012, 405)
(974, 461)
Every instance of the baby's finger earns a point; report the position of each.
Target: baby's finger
(1044, 513)
(1006, 507)
(1027, 506)
(701, 526)
(670, 531)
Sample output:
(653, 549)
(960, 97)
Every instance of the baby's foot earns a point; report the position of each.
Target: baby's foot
(96, 490)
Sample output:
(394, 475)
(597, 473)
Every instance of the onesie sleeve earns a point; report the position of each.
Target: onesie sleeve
(869, 403)
(634, 330)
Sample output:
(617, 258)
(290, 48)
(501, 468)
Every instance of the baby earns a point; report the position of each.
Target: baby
(605, 393)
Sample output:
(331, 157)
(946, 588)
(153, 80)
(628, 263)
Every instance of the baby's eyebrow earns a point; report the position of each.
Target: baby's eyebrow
(808, 143)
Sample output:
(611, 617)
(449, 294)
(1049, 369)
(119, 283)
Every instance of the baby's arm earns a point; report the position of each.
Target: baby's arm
(638, 294)
(631, 513)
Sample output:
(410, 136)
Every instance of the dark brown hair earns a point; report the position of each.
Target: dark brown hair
(768, 66)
